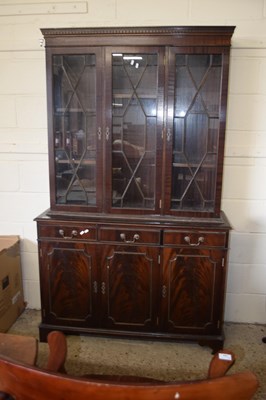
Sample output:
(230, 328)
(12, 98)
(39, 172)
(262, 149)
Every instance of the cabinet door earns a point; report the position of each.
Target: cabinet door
(134, 124)
(195, 130)
(68, 283)
(192, 290)
(74, 84)
(129, 287)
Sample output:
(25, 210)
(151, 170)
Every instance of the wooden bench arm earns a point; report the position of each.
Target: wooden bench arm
(57, 352)
(221, 363)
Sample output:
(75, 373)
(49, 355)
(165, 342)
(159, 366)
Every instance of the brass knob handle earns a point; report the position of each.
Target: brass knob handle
(200, 240)
(168, 135)
(135, 238)
(103, 287)
(107, 134)
(99, 133)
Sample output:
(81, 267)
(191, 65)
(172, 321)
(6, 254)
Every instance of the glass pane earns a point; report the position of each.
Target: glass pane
(134, 112)
(74, 80)
(196, 129)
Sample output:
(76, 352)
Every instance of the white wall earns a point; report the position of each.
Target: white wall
(23, 128)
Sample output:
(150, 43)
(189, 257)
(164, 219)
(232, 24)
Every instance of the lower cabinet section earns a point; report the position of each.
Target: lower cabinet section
(99, 285)
(131, 281)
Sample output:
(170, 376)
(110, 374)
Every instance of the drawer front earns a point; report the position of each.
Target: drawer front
(68, 232)
(195, 239)
(129, 236)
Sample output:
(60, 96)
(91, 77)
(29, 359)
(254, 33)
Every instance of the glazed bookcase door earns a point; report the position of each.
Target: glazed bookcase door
(133, 129)
(75, 130)
(195, 128)
(191, 290)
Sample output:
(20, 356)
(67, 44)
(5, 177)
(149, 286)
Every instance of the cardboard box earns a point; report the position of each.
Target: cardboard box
(11, 290)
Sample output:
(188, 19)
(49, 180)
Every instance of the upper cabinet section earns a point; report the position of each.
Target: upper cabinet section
(136, 119)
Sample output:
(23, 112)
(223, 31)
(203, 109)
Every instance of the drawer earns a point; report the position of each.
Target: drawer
(73, 232)
(195, 239)
(129, 236)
